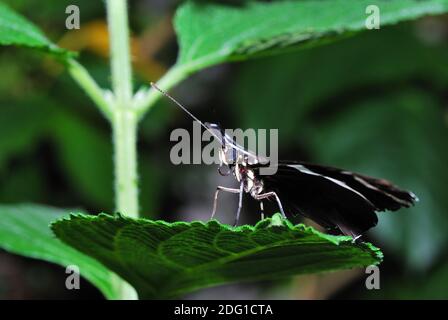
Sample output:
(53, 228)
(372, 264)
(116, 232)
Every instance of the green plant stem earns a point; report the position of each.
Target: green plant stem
(124, 112)
(120, 53)
(123, 121)
(124, 127)
(124, 124)
(175, 75)
(91, 88)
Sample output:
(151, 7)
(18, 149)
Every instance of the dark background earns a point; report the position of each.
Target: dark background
(374, 103)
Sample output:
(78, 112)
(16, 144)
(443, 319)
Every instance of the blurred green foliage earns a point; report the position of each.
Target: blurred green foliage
(374, 103)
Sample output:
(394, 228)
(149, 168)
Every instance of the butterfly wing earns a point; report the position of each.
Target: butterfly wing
(334, 198)
(382, 193)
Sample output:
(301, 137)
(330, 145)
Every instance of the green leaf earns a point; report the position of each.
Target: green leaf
(165, 260)
(24, 230)
(212, 33)
(17, 31)
(401, 137)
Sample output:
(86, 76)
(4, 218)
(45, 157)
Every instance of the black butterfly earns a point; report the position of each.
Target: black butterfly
(340, 201)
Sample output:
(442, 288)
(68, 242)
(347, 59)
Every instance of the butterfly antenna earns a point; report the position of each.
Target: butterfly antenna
(231, 143)
(177, 103)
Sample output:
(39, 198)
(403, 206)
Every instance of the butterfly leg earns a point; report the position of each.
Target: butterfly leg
(262, 209)
(215, 201)
(268, 195)
(357, 239)
(240, 203)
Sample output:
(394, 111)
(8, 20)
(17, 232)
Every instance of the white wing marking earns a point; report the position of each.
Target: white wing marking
(338, 182)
